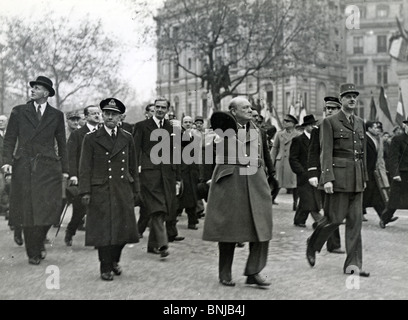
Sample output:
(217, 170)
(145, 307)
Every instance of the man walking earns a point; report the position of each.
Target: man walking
(34, 131)
(92, 116)
(109, 186)
(343, 178)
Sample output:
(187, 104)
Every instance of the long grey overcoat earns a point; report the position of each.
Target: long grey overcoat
(37, 151)
(108, 172)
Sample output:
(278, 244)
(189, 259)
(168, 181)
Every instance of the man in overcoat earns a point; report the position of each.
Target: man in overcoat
(343, 178)
(158, 179)
(332, 106)
(280, 157)
(239, 205)
(92, 116)
(309, 198)
(34, 131)
(109, 186)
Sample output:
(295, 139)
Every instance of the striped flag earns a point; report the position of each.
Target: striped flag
(302, 111)
(373, 109)
(384, 105)
(400, 116)
(275, 119)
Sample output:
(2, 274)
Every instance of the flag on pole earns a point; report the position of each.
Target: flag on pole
(292, 108)
(302, 111)
(384, 105)
(275, 119)
(400, 111)
(373, 109)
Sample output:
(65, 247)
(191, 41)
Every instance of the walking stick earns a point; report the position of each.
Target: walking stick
(62, 219)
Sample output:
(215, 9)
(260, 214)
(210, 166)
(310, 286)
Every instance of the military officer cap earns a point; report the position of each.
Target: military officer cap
(348, 88)
(199, 118)
(291, 118)
(112, 104)
(73, 115)
(332, 102)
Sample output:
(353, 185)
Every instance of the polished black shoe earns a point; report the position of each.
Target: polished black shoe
(164, 253)
(18, 239)
(227, 283)
(337, 250)
(35, 261)
(310, 254)
(393, 219)
(256, 279)
(363, 274)
(192, 227)
(43, 254)
(176, 238)
(153, 250)
(382, 224)
(275, 203)
(117, 269)
(300, 225)
(107, 276)
(68, 239)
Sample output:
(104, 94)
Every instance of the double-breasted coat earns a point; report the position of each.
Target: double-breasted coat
(37, 151)
(343, 153)
(310, 198)
(280, 157)
(74, 146)
(108, 172)
(239, 207)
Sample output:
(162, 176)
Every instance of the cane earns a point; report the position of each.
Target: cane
(62, 219)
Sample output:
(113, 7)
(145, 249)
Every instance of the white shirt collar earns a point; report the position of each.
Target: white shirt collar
(307, 134)
(91, 127)
(109, 131)
(43, 106)
(157, 121)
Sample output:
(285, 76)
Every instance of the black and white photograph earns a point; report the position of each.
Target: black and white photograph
(205, 157)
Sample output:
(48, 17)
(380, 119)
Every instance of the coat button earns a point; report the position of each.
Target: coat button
(110, 169)
(109, 161)
(107, 153)
(122, 169)
(122, 177)
(123, 160)
(110, 177)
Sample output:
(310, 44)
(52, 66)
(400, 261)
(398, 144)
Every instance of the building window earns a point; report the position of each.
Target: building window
(175, 70)
(190, 64)
(382, 75)
(358, 44)
(382, 11)
(176, 104)
(358, 72)
(381, 44)
(189, 109)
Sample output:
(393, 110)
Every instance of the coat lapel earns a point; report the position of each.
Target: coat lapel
(30, 114)
(48, 117)
(104, 139)
(344, 120)
(120, 143)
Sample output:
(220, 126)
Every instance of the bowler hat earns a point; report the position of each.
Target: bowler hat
(348, 88)
(112, 104)
(73, 114)
(333, 102)
(45, 82)
(308, 120)
(223, 120)
(291, 118)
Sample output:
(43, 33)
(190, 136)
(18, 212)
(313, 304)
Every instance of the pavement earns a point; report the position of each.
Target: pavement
(190, 272)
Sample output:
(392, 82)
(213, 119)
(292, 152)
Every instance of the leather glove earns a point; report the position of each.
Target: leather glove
(86, 199)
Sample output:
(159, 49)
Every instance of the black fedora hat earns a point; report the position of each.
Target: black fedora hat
(45, 82)
(308, 120)
(348, 88)
(112, 104)
(223, 120)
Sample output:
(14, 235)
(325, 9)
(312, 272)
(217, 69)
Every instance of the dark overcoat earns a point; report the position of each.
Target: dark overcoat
(74, 146)
(343, 153)
(37, 151)
(310, 198)
(239, 207)
(157, 180)
(108, 172)
(398, 165)
(372, 196)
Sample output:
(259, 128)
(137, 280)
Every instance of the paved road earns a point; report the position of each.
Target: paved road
(190, 272)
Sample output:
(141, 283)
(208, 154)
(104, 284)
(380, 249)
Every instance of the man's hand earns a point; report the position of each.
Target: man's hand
(73, 181)
(328, 187)
(397, 178)
(314, 182)
(86, 199)
(7, 169)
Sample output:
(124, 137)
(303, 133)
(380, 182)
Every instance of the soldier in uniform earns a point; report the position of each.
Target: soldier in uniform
(109, 186)
(343, 178)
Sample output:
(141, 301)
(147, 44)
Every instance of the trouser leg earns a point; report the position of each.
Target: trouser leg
(258, 254)
(78, 214)
(226, 257)
(105, 258)
(116, 252)
(143, 219)
(158, 234)
(387, 214)
(300, 216)
(34, 241)
(334, 242)
(192, 215)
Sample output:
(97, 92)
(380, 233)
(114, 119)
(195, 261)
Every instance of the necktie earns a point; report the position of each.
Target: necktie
(161, 124)
(351, 120)
(113, 134)
(39, 112)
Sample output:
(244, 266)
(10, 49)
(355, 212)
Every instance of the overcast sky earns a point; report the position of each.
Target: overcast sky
(122, 21)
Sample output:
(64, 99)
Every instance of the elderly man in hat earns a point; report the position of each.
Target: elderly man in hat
(34, 131)
(343, 178)
(239, 202)
(332, 106)
(280, 157)
(109, 186)
(309, 198)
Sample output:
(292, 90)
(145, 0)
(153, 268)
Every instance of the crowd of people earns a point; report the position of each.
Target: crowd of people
(335, 169)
